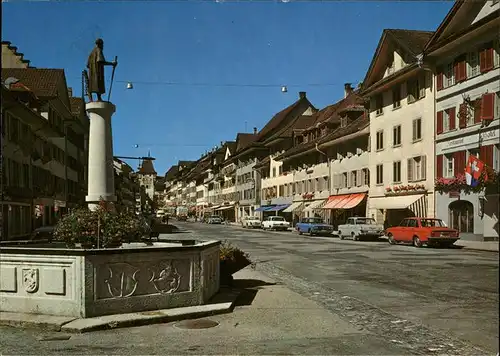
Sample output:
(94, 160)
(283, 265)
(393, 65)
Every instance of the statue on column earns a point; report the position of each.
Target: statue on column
(94, 78)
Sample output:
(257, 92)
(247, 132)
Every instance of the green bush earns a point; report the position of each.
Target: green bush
(100, 228)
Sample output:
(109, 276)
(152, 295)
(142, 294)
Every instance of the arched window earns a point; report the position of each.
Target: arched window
(461, 216)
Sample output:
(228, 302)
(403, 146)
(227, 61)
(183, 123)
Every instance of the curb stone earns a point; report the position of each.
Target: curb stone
(221, 303)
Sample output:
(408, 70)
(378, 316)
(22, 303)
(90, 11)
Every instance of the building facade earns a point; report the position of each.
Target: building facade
(401, 98)
(465, 55)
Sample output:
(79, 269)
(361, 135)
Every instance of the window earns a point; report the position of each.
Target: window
(472, 64)
(366, 176)
(496, 158)
(274, 171)
(280, 170)
(396, 136)
(461, 216)
(379, 104)
(396, 97)
(343, 121)
(380, 174)
(450, 77)
(449, 168)
(417, 129)
(354, 179)
(380, 140)
(416, 89)
(416, 168)
(396, 172)
(344, 180)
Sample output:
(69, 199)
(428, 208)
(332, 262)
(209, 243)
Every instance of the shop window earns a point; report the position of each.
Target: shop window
(461, 216)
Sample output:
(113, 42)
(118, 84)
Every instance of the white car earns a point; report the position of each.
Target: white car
(251, 222)
(359, 227)
(275, 223)
(214, 219)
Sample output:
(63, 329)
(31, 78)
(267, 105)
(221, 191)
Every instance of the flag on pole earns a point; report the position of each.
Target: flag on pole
(473, 170)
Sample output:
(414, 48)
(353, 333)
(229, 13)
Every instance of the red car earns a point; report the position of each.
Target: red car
(422, 231)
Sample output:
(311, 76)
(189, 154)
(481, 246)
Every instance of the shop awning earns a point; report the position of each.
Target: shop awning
(225, 207)
(265, 208)
(213, 207)
(398, 202)
(293, 207)
(279, 207)
(345, 201)
(315, 205)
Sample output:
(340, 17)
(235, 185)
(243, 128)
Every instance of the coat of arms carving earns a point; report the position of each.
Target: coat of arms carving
(31, 280)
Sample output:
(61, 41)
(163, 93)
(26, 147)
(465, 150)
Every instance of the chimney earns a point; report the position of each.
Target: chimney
(70, 92)
(255, 131)
(302, 94)
(347, 89)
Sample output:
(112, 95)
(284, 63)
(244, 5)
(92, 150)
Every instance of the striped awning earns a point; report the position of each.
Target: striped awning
(345, 201)
(297, 206)
(315, 205)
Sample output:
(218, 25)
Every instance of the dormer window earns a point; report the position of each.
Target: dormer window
(343, 121)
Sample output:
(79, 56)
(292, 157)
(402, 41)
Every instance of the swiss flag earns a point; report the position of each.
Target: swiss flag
(473, 170)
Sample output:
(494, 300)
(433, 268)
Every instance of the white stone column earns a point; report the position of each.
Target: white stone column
(100, 171)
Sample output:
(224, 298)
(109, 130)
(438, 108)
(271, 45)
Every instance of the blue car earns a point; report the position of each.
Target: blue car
(313, 226)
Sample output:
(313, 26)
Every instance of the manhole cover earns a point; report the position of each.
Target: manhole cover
(196, 324)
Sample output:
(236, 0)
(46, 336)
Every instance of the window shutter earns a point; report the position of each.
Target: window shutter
(439, 80)
(488, 106)
(477, 110)
(455, 71)
(462, 70)
(423, 167)
(462, 116)
(486, 60)
(452, 115)
(410, 169)
(459, 159)
(349, 180)
(439, 126)
(359, 177)
(439, 166)
(486, 154)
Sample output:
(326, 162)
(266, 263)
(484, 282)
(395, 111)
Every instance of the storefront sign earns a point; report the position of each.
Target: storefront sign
(467, 141)
(454, 194)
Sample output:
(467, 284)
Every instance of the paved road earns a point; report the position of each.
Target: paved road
(451, 293)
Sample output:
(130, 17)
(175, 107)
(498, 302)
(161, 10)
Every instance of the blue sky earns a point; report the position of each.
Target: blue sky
(190, 42)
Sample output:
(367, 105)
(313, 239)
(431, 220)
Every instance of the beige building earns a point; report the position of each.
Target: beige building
(401, 157)
(45, 151)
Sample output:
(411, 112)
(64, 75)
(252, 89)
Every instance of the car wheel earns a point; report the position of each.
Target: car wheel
(340, 235)
(311, 233)
(354, 237)
(300, 232)
(417, 242)
(391, 240)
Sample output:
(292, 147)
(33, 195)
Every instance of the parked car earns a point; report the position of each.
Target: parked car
(275, 223)
(251, 222)
(214, 219)
(422, 231)
(43, 233)
(313, 226)
(359, 227)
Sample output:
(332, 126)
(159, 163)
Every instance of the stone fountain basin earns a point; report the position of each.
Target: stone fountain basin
(51, 279)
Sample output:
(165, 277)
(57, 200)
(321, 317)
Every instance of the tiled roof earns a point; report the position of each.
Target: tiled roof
(146, 167)
(231, 145)
(76, 105)
(170, 175)
(278, 118)
(243, 140)
(357, 125)
(43, 82)
(412, 40)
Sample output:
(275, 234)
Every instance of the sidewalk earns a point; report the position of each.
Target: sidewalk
(268, 319)
(478, 245)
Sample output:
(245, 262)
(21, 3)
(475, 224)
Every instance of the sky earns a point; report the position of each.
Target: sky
(203, 70)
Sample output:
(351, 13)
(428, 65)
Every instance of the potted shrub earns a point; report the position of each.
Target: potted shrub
(102, 228)
(232, 260)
